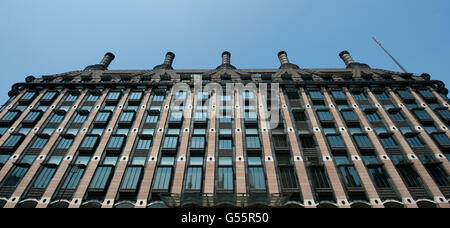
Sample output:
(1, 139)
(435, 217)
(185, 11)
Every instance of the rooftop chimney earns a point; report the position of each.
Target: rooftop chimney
(226, 61)
(284, 61)
(168, 60)
(226, 57)
(109, 57)
(103, 65)
(349, 62)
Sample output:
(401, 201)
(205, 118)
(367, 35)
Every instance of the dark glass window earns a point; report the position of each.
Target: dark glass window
(28, 96)
(144, 144)
(445, 114)
(421, 114)
(426, 93)
(194, 178)
(101, 177)
(410, 176)
(350, 176)
(379, 177)
(363, 141)
(335, 141)
(315, 94)
(71, 97)
(299, 116)
(127, 117)
(131, 178)
(253, 142)
(225, 144)
(279, 141)
(442, 139)
(349, 116)
(324, 115)
(388, 142)
(198, 142)
(39, 143)
(359, 96)
(10, 115)
(113, 96)
(13, 140)
(93, 97)
(439, 175)
(44, 178)
(16, 176)
(32, 116)
(49, 95)
(162, 178)
(381, 95)
(102, 116)
(89, 141)
(405, 94)
(80, 118)
(135, 95)
(116, 142)
(338, 94)
(170, 142)
(397, 116)
(307, 141)
(158, 98)
(373, 116)
(56, 118)
(225, 174)
(256, 174)
(152, 119)
(319, 177)
(414, 141)
(65, 143)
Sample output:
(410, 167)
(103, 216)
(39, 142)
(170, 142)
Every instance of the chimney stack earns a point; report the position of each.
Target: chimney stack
(103, 65)
(109, 57)
(226, 58)
(349, 62)
(347, 58)
(282, 56)
(169, 59)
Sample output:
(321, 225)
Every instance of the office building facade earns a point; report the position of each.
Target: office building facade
(350, 137)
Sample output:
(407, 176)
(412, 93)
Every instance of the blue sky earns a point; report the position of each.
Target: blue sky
(49, 37)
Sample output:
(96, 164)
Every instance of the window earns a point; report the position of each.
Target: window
(363, 141)
(27, 96)
(379, 177)
(319, 177)
(410, 176)
(26, 130)
(101, 177)
(135, 96)
(56, 118)
(93, 97)
(329, 130)
(350, 176)
(299, 116)
(354, 130)
(71, 97)
(335, 141)
(338, 94)
(441, 139)
(359, 96)
(256, 174)
(64, 143)
(127, 117)
(152, 119)
(198, 142)
(381, 95)
(102, 116)
(414, 141)
(287, 174)
(158, 98)
(143, 144)
(32, 116)
(397, 116)
(39, 143)
(80, 118)
(307, 141)
(324, 115)
(170, 142)
(279, 141)
(426, 93)
(131, 178)
(163, 174)
(225, 144)
(405, 94)
(445, 114)
(44, 178)
(373, 116)
(315, 94)
(48, 96)
(116, 142)
(19, 172)
(113, 96)
(439, 175)
(176, 116)
(388, 142)
(421, 114)
(10, 116)
(89, 142)
(253, 142)
(194, 174)
(13, 141)
(225, 174)
(349, 116)
(430, 128)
